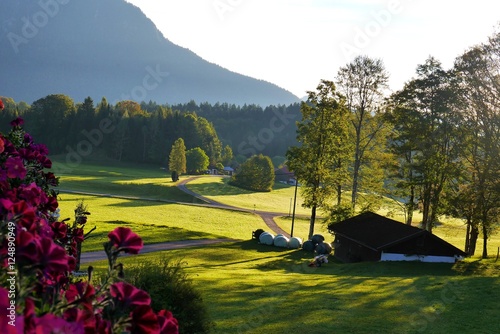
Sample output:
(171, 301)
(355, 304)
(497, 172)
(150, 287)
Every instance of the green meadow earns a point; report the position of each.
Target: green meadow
(252, 288)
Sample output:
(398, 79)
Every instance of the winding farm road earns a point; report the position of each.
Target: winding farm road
(267, 217)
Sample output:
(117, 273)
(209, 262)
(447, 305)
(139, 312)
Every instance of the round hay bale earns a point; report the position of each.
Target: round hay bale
(281, 241)
(266, 238)
(323, 248)
(295, 243)
(317, 239)
(308, 246)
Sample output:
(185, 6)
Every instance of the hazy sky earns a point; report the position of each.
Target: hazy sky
(295, 43)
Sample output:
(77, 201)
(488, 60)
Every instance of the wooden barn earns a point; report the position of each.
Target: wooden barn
(371, 237)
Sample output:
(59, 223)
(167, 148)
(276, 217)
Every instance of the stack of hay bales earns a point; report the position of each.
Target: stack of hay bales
(280, 240)
(317, 244)
(266, 238)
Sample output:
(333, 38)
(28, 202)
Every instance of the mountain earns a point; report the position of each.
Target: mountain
(110, 48)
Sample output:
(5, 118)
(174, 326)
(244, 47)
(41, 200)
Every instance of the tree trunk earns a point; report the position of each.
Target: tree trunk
(411, 206)
(467, 236)
(474, 234)
(485, 242)
(313, 218)
(339, 195)
(355, 176)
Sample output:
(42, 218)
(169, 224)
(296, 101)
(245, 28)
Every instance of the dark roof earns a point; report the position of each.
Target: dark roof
(378, 232)
(375, 231)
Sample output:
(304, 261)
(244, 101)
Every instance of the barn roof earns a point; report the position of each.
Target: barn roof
(378, 232)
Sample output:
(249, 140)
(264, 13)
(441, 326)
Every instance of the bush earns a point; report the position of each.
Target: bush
(168, 284)
(257, 174)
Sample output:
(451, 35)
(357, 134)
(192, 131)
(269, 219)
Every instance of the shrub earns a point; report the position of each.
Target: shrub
(170, 288)
(257, 174)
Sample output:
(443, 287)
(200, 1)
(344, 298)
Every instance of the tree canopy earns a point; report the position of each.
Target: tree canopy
(257, 174)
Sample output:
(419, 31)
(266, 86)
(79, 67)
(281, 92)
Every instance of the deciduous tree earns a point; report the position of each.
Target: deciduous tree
(177, 157)
(320, 163)
(362, 82)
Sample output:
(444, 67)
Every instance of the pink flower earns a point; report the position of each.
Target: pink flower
(17, 122)
(144, 320)
(27, 248)
(83, 292)
(5, 312)
(32, 194)
(1, 105)
(60, 229)
(50, 324)
(102, 326)
(128, 295)
(2, 145)
(124, 239)
(168, 324)
(15, 168)
(53, 258)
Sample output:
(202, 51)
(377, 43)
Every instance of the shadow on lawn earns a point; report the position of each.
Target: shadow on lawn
(289, 260)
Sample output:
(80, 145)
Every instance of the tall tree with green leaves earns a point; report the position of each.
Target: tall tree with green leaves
(257, 173)
(362, 82)
(196, 160)
(430, 133)
(478, 70)
(227, 155)
(177, 157)
(320, 162)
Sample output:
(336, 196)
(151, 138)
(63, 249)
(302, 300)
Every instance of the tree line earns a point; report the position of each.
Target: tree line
(145, 132)
(432, 146)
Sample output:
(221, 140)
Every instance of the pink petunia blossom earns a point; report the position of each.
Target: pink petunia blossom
(5, 313)
(60, 229)
(1, 105)
(53, 258)
(144, 321)
(27, 251)
(15, 168)
(2, 144)
(168, 324)
(124, 239)
(128, 295)
(17, 122)
(50, 324)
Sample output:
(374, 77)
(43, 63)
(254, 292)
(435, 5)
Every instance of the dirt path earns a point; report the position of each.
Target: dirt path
(267, 217)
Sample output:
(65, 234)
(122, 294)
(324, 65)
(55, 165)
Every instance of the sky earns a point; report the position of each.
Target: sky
(296, 43)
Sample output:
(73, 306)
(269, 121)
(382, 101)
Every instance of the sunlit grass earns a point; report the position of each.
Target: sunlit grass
(158, 222)
(252, 288)
(279, 200)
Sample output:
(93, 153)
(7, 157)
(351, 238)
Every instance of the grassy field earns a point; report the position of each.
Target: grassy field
(252, 288)
(279, 200)
(138, 181)
(158, 222)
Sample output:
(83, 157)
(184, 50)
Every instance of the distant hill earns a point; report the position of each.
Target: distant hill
(110, 48)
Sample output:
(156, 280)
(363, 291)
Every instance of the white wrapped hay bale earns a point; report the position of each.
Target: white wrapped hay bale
(266, 238)
(281, 241)
(295, 243)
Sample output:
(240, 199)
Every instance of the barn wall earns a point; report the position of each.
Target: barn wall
(347, 250)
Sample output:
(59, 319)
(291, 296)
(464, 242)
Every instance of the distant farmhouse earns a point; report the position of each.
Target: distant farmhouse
(371, 237)
(284, 175)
